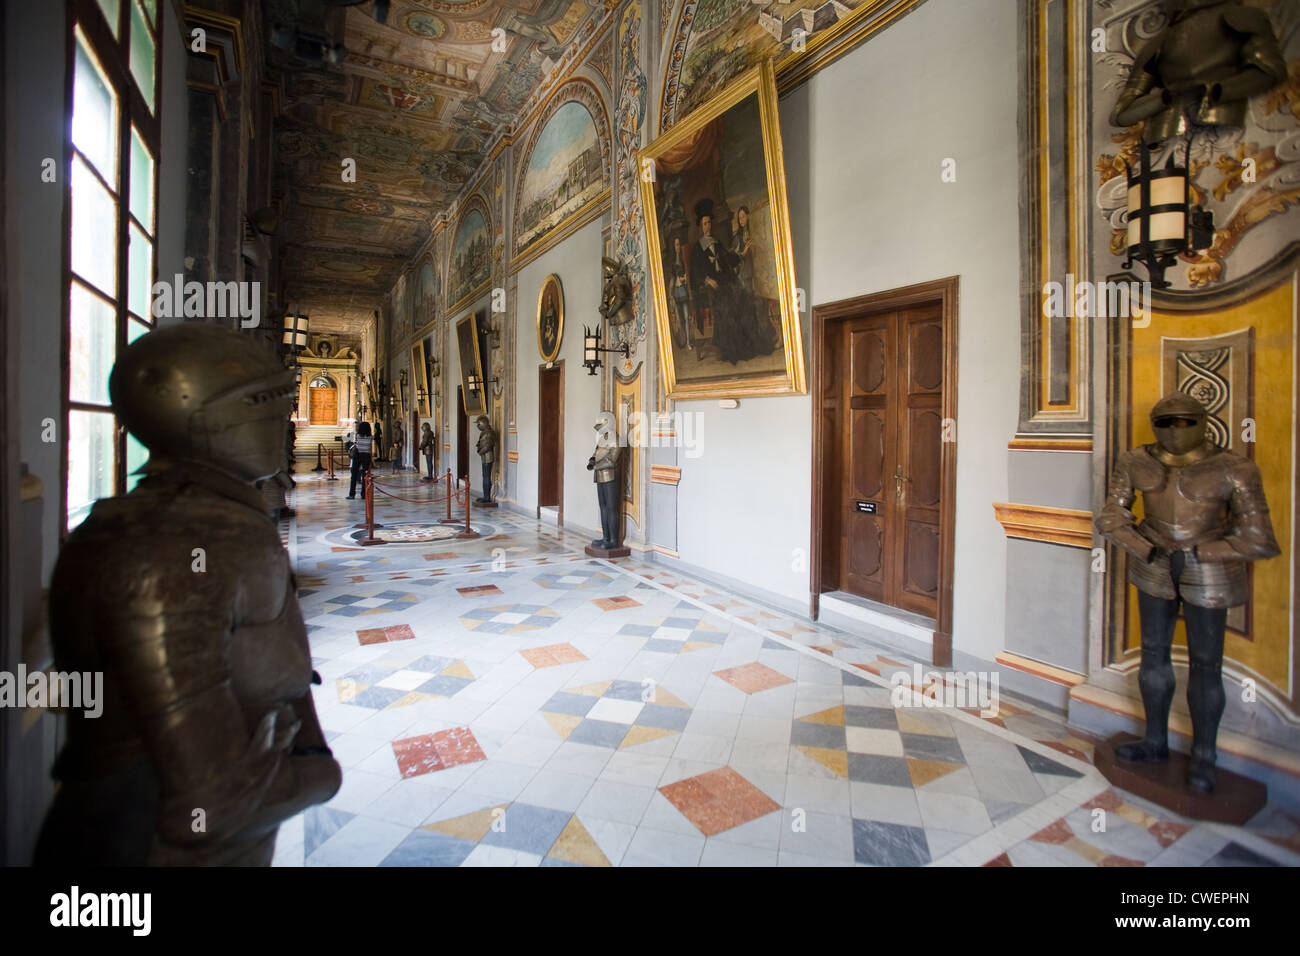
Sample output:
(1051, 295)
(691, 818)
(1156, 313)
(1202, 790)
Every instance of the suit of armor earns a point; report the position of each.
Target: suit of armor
(182, 595)
(487, 453)
(1205, 516)
(603, 465)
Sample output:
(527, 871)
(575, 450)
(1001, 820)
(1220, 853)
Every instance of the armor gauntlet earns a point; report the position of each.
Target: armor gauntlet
(1117, 523)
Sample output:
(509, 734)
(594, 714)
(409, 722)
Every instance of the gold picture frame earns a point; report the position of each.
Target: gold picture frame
(725, 308)
(550, 333)
(471, 365)
(421, 377)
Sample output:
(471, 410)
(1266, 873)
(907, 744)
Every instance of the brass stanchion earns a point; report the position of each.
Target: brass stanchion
(319, 466)
(331, 476)
(468, 532)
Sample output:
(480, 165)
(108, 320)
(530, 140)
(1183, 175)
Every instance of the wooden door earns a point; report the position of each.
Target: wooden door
(891, 485)
(550, 437)
(324, 406)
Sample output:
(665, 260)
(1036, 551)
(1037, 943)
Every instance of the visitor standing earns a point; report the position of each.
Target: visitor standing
(361, 452)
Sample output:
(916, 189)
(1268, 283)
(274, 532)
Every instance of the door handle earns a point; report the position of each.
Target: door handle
(899, 479)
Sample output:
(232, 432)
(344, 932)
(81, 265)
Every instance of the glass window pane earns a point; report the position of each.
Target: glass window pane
(135, 328)
(136, 456)
(151, 8)
(142, 58)
(111, 8)
(92, 346)
(94, 229)
(140, 267)
(90, 461)
(94, 115)
(141, 182)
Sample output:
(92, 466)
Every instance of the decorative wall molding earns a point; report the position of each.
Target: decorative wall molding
(1057, 675)
(665, 474)
(1065, 526)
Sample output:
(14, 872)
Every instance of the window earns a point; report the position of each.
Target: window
(112, 177)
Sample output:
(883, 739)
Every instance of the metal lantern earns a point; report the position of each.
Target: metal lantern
(1162, 222)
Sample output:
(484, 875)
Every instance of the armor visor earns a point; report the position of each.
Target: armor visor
(1178, 421)
(244, 426)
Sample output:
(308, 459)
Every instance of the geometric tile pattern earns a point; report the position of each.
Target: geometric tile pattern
(701, 729)
(615, 714)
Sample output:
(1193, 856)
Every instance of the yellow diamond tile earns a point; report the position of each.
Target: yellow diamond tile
(834, 717)
(836, 760)
(643, 735)
(591, 690)
(458, 670)
(910, 723)
(349, 689)
(667, 698)
(562, 724)
(413, 697)
(1086, 850)
(472, 826)
(925, 771)
(1135, 816)
(575, 845)
(690, 646)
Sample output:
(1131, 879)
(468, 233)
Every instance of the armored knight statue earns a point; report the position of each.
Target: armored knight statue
(182, 595)
(616, 295)
(1205, 517)
(1202, 69)
(603, 465)
(487, 453)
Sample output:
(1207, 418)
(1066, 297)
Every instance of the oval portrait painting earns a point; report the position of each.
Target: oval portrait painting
(550, 318)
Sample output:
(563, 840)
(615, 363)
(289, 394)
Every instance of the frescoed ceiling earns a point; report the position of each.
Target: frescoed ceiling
(416, 101)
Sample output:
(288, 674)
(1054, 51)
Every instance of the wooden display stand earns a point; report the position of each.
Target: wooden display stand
(1235, 798)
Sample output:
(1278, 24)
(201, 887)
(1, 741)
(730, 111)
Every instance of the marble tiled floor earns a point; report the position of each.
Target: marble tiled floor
(508, 701)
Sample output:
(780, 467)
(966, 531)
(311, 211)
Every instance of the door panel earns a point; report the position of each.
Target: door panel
(324, 406)
(550, 474)
(891, 445)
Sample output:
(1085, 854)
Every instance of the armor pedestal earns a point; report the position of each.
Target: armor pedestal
(1235, 798)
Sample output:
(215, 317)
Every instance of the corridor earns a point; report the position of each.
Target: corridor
(507, 700)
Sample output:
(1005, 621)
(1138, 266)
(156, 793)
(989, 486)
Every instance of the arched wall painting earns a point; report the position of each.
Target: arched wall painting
(470, 269)
(565, 172)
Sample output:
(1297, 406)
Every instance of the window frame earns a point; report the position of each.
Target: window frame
(112, 55)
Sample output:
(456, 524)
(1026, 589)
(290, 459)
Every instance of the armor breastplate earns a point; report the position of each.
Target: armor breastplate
(1184, 505)
(1199, 48)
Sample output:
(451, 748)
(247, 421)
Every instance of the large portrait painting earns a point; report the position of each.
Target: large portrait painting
(550, 318)
(718, 233)
(471, 365)
(470, 269)
(564, 183)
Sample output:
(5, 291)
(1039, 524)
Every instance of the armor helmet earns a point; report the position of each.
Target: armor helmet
(1179, 422)
(205, 393)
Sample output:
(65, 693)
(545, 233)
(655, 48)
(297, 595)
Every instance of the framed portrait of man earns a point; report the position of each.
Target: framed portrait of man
(471, 365)
(550, 318)
(718, 238)
(420, 371)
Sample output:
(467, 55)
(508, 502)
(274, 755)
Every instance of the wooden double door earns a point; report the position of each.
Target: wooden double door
(890, 487)
(884, 466)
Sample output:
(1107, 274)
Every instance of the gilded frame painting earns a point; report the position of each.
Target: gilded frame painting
(550, 318)
(718, 240)
(471, 365)
(419, 372)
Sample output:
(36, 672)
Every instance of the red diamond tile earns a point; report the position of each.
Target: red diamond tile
(1167, 832)
(1000, 860)
(479, 591)
(1113, 860)
(428, 753)
(1058, 832)
(615, 603)
(441, 556)
(718, 800)
(1106, 800)
(752, 678)
(378, 635)
(553, 655)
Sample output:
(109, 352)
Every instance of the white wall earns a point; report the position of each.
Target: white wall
(577, 262)
(864, 142)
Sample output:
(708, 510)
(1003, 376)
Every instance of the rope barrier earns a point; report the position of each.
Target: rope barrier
(369, 485)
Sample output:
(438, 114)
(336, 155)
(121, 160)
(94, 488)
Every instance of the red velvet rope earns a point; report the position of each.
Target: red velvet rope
(418, 501)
